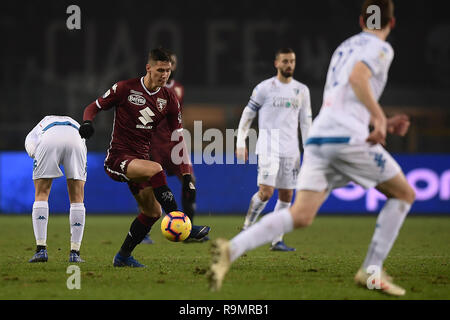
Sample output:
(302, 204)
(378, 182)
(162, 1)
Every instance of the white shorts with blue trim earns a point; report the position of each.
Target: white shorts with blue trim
(331, 162)
(278, 172)
(60, 145)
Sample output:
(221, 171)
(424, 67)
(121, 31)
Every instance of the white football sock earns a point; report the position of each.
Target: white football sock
(388, 225)
(40, 221)
(77, 218)
(280, 205)
(255, 208)
(262, 232)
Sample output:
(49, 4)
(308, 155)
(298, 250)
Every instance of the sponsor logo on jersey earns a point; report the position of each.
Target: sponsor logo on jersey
(136, 99)
(161, 104)
(282, 102)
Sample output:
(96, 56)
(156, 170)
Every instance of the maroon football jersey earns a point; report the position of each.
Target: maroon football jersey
(138, 113)
(178, 89)
(161, 138)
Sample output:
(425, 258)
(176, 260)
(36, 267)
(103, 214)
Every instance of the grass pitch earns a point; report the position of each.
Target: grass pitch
(327, 257)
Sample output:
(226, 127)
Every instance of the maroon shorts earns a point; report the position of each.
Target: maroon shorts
(162, 156)
(116, 168)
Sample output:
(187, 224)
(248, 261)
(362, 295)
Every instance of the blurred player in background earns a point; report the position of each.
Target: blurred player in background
(340, 149)
(282, 104)
(161, 152)
(140, 105)
(55, 141)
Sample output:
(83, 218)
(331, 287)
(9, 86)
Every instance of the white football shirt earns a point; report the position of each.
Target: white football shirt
(342, 114)
(281, 108)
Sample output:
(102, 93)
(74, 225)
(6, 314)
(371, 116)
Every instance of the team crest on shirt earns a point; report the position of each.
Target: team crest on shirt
(161, 104)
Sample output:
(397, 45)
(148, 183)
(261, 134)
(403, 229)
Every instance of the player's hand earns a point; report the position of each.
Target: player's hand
(86, 129)
(188, 187)
(378, 134)
(398, 124)
(242, 153)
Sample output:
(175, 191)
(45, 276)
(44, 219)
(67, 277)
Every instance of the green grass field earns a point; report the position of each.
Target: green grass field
(328, 254)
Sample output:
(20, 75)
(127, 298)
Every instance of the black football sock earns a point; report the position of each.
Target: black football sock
(162, 192)
(188, 207)
(165, 198)
(138, 230)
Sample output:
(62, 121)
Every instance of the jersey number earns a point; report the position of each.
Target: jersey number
(340, 60)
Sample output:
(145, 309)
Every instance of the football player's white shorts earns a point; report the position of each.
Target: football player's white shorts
(332, 165)
(60, 145)
(278, 172)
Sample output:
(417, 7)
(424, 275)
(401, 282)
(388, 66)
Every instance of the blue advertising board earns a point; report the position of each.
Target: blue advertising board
(221, 188)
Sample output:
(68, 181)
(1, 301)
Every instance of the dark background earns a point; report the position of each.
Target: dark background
(225, 48)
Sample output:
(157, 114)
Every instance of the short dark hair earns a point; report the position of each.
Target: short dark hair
(386, 11)
(171, 55)
(282, 51)
(159, 54)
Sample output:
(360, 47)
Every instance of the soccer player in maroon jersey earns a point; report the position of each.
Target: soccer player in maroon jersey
(140, 105)
(161, 152)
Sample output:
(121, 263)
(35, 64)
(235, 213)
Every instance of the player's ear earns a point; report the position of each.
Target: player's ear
(361, 22)
(147, 67)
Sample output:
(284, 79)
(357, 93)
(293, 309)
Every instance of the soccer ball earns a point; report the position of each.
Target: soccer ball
(176, 226)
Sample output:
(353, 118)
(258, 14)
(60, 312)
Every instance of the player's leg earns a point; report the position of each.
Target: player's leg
(372, 166)
(313, 188)
(45, 168)
(257, 204)
(301, 214)
(77, 217)
(284, 201)
(188, 195)
(75, 166)
(150, 212)
(267, 174)
(39, 216)
(390, 219)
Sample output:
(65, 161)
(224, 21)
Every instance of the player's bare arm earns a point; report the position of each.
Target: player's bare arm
(244, 126)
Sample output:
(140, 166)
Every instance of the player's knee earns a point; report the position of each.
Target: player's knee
(42, 194)
(152, 214)
(151, 211)
(408, 195)
(265, 194)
